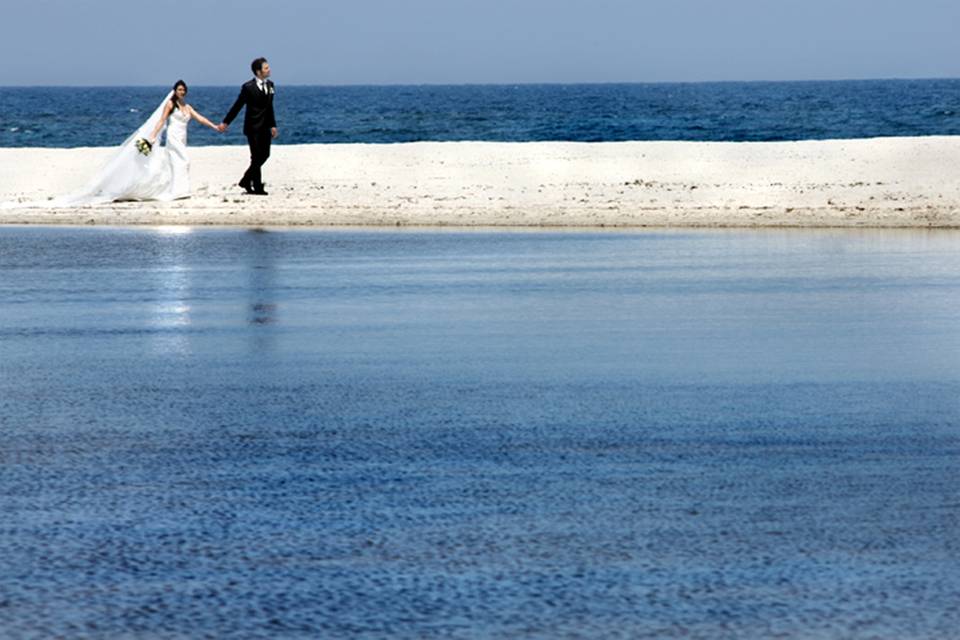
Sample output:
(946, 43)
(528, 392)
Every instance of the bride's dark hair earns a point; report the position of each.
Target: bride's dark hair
(173, 98)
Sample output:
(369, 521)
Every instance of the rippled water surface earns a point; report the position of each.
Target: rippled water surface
(250, 433)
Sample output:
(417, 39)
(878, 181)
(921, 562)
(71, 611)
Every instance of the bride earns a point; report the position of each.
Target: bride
(161, 174)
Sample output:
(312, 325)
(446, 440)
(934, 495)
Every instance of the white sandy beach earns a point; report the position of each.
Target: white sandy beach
(882, 182)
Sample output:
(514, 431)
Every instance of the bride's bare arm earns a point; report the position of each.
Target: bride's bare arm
(166, 114)
(202, 120)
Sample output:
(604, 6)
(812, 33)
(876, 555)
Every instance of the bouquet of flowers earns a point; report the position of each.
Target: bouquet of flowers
(144, 146)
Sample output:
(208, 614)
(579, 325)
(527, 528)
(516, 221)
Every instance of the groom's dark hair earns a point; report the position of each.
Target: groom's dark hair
(257, 65)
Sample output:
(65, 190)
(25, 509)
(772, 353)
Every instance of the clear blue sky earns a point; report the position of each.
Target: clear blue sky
(123, 42)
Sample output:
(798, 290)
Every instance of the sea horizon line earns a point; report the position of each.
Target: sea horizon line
(500, 84)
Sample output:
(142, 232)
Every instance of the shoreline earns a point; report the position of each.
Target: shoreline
(862, 183)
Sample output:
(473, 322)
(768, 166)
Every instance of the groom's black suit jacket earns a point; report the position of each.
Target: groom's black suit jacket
(259, 116)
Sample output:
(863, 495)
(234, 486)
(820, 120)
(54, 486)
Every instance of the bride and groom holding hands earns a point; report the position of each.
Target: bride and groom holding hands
(141, 170)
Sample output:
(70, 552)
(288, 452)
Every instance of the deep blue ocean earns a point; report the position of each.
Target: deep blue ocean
(727, 111)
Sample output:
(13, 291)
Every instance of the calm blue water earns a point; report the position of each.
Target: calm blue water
(229, 433)
(72, 117)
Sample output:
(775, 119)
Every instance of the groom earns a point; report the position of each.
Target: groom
(259, 124)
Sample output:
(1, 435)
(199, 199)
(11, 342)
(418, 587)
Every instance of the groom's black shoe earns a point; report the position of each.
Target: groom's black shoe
(246, 186)
(258, 190)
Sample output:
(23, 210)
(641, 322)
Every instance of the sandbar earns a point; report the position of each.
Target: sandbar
(878, 182)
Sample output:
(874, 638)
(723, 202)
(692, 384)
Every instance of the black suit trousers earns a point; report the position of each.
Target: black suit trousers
(259, 142)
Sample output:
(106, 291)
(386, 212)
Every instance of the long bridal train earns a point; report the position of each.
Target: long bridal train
(129, 175)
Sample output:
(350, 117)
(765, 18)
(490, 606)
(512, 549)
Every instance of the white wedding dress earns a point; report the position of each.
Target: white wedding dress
(164, 174)
(177, 162)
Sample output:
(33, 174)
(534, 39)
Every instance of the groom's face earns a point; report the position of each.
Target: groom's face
(265, 71)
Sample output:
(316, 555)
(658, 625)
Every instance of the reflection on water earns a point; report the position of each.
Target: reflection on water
(172, 297)
(263, 313)
(262, 309)
(725, 306)
(456, 434)
(169, 288)
(262, 278)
